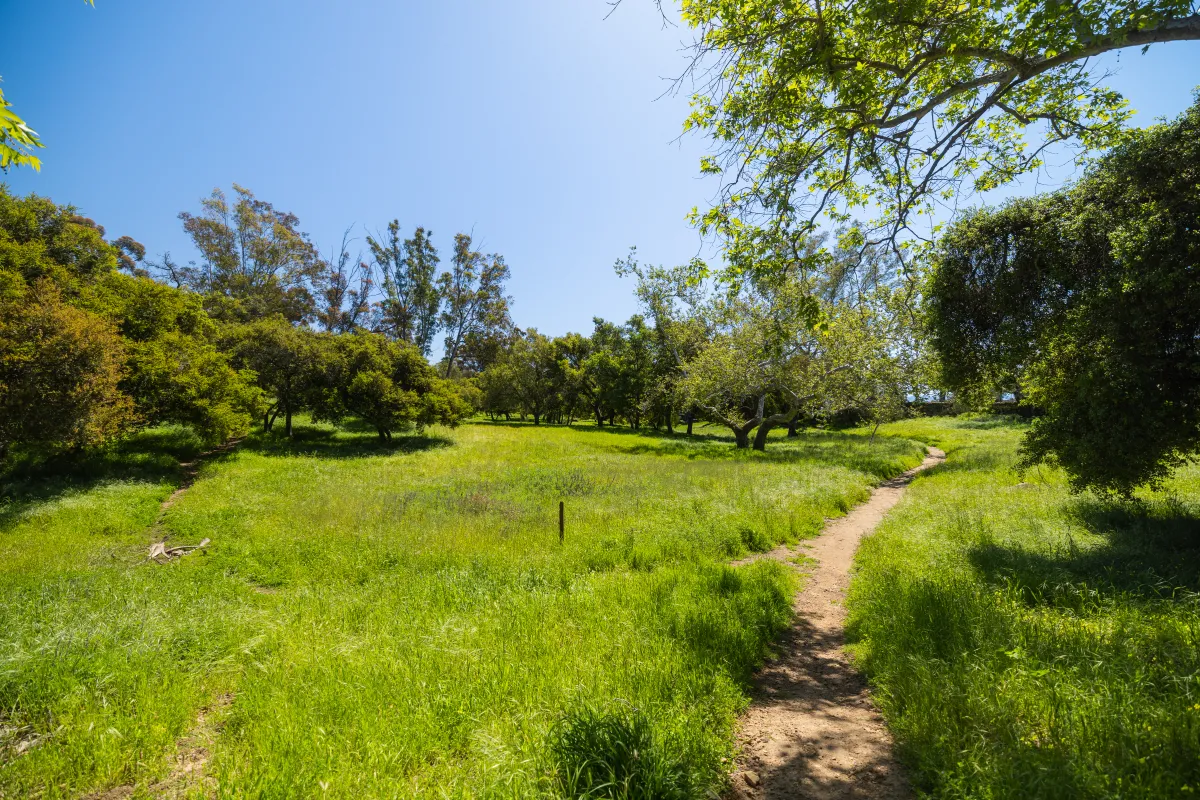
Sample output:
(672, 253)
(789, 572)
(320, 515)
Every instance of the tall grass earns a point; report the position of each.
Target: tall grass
(1024, 642)
(400, 621)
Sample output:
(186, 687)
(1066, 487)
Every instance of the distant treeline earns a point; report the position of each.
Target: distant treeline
(97, 340)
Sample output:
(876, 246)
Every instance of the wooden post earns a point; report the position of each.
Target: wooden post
(561, 529)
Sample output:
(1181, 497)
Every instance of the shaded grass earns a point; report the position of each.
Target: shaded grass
(1024, 642)
(402, 620)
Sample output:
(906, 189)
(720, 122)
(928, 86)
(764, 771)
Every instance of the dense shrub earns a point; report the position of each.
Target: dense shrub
(1086, 301)
(90, 350)
(60, 369)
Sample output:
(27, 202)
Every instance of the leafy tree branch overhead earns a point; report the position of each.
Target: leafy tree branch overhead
(880, 108)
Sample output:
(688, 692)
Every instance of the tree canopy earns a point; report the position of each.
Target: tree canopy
(1086, 300)
(836, 109)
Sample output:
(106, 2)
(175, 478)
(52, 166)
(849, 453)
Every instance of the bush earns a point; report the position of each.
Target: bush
(60, 369)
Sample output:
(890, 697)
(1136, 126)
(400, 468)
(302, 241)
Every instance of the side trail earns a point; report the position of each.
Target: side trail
(812, 731)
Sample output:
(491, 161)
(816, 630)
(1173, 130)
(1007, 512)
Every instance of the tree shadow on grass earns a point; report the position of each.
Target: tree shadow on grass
(883, 459)
(154, 455)
(351, 439)
(1151, 551)
(165, 454)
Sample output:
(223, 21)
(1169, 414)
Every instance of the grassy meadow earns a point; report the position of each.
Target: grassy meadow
(1025, 642)
(374, 621)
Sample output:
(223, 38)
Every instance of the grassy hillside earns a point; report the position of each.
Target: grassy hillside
(1025, 642)
(372, 622)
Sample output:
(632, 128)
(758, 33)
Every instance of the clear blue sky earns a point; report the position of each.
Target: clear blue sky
(533, 123)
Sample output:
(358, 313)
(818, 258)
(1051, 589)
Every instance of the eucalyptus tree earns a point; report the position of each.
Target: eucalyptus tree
(343, 287)
(475, 311)
(409, 309)
(256, 263)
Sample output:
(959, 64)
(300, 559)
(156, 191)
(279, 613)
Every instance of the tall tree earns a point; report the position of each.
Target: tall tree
(475, 308)
(1087, 300)
(409, 311)
(343, 287)
(833, 108)
(256, 261)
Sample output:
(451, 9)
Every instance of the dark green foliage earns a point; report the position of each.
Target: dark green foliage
(614, 754)
(59, 373)
(168, 366)
(386, 383)
(188, 380)
(286, 361)
(1087, 301)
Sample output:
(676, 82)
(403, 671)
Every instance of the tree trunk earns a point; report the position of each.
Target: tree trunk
(670, 420)
(691, 417)
(765, 425)
(741, 433)
(382, 434)
(287, 424)
(760, 438)
(792, 432)
(537, 418)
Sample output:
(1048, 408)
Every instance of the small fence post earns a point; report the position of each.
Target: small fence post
(561, 520)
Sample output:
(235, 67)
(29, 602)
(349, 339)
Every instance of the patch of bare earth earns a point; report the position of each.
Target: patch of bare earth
(812, 731)
(187, 777)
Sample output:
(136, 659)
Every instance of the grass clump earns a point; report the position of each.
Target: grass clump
(615, 754)
(1027, 642)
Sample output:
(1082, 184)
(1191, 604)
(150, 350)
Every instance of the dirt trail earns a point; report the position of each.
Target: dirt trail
(191, 471)
(187, 777)
(812, 731)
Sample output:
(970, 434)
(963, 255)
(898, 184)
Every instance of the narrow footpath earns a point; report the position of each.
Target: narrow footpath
(812, 731)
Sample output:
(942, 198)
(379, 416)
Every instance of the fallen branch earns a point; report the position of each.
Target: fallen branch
(160, 553)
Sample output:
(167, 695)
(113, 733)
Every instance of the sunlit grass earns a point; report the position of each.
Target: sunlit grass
(1024, 642)
(401, 621)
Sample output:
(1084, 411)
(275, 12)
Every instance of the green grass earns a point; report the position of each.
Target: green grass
(376, 622)
(1027, 643)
